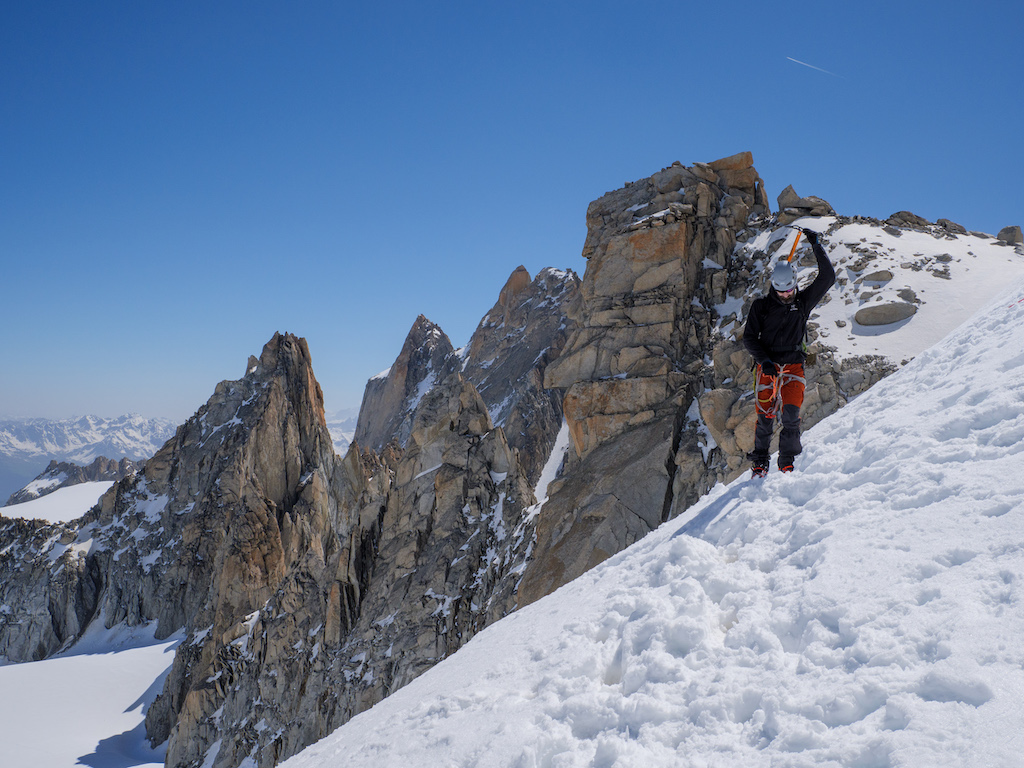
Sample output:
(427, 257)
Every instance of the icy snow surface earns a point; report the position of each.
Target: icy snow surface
(864, 611)
(63, 505)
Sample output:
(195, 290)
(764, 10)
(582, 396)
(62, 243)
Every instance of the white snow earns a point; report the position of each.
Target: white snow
(43, 484)
(426, 472)
(706, 441)
(63, 505)
(864, 611)
(554, 463)
(86, 706)
(424, 387)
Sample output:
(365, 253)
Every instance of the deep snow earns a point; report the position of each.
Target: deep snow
(865, 611)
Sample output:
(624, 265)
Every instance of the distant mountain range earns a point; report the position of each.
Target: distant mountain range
(27, 446)
(342, 426)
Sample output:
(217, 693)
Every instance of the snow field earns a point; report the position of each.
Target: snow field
(865, 611)
(61, 506)
(87, 706)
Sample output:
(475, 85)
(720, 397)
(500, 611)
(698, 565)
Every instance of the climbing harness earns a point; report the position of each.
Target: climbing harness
(769, 396)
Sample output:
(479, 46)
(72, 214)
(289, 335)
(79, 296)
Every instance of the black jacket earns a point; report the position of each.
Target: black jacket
(775, 330)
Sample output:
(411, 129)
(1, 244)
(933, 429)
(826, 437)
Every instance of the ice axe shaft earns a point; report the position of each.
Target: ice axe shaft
(796, 242)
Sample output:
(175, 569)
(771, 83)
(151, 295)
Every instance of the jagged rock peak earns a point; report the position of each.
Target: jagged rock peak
(247, 491)
(284, 351)
(424, 339)
(391, 396)
(517, 282)
(157, 544)
(725, 191)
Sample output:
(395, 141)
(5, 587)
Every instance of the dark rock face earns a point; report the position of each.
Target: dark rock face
(198, 541)
(510, 351)
(309, 584)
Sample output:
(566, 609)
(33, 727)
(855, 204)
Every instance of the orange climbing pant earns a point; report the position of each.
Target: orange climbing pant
(773, 393)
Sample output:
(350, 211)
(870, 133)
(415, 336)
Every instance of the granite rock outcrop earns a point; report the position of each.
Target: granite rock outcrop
(391, 397)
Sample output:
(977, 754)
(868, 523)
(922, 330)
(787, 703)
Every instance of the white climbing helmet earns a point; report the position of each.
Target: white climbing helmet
(784, 276)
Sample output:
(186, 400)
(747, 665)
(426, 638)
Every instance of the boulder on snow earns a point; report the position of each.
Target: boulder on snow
(885, 314)
(907, 219)
(1011, 235)
(881, 276)
(952, 227)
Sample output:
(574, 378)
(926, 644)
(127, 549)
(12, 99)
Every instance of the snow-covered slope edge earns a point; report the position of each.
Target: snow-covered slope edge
(865, 611)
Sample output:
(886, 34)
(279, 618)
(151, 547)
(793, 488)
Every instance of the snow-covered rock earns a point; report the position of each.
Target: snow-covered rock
(84, 439)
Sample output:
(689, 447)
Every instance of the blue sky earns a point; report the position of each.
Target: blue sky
(180, 181)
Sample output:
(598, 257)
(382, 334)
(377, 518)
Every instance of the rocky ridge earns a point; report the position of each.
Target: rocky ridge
(391, 397)
(306, 586)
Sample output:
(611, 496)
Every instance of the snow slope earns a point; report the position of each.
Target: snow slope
(63, 505)
(865, 611)
(948, 278)
(86, 706)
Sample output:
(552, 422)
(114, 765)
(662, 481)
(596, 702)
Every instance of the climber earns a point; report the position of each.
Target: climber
(774, 337)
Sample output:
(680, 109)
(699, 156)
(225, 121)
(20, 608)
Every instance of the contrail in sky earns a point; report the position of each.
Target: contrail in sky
(804, 63)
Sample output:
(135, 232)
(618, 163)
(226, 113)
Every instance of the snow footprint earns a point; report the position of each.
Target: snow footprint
(946, 688)
(949, 559)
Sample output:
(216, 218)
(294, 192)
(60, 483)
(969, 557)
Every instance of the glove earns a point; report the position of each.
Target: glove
(768, 368)
(811, 235)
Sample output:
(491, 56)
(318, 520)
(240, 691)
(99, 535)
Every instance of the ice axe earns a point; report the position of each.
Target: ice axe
(796, 242)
